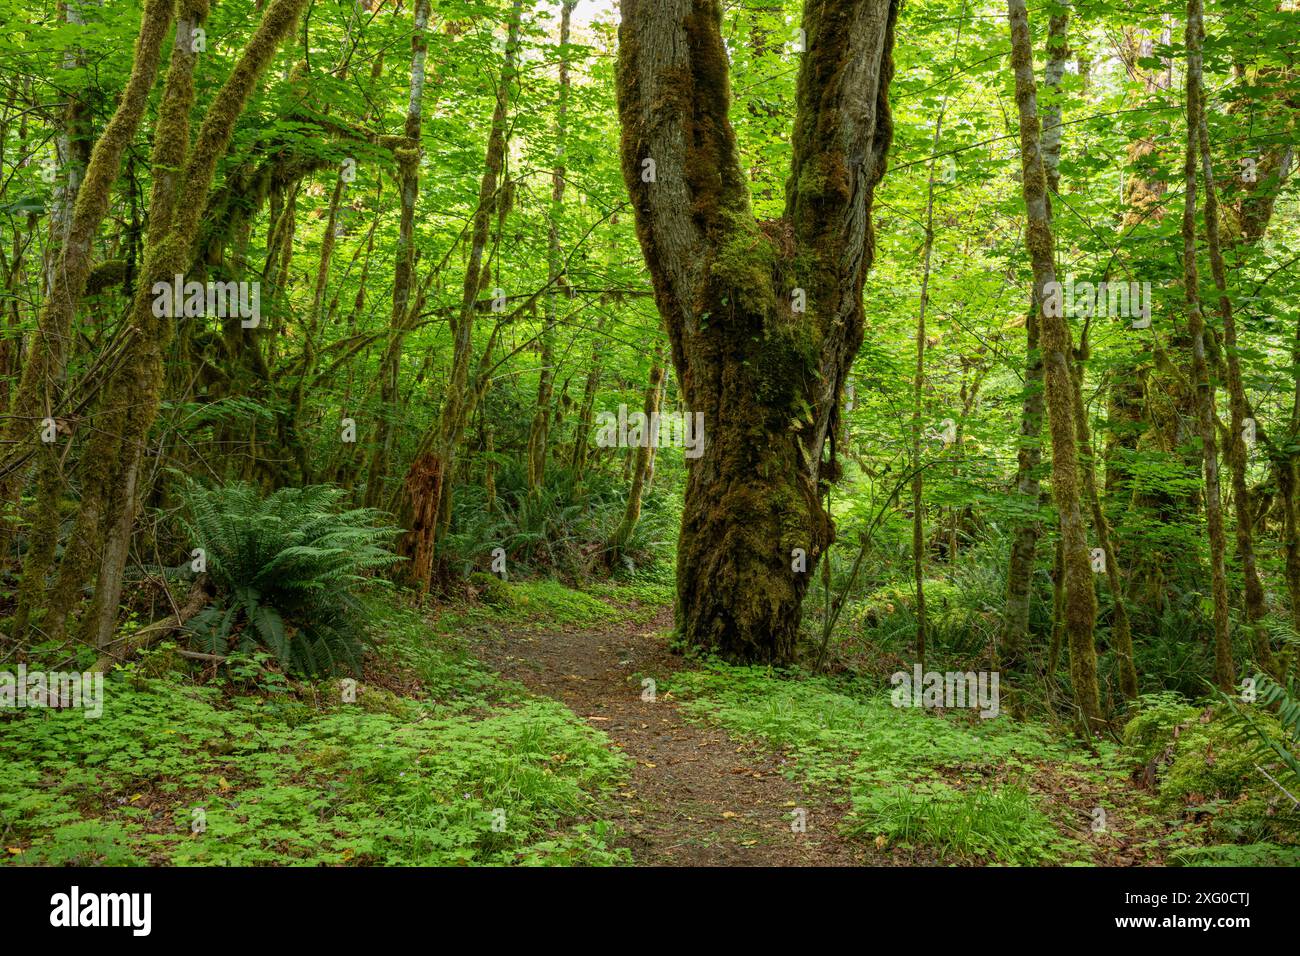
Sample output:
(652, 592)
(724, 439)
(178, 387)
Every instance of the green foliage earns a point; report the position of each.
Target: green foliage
(474, 774)
(288, 566)
(1208, 764)
(1151, 729)
(979, 825)
(1282, 744)
(561, 530)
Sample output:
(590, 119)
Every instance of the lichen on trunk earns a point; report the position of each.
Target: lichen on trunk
(766, 375)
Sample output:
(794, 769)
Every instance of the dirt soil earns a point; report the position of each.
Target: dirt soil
(696, 796)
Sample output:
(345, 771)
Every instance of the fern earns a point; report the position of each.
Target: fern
(287, 567)
(1283, 699)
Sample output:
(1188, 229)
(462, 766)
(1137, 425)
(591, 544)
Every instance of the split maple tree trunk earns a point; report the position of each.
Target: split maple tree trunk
(767, 375)
(183, 175)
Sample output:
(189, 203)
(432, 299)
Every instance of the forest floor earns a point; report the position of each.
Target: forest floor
(535, 724)
(701, 793)
(695, 796)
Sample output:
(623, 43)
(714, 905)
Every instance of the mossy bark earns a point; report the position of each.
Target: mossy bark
(39, 389)
(1223, 664)
(539, 430)
(1121, 631)
(1027, 529)
(644, 456)
(1079, 599)
(767, 377)
(1029, 452)
(425, 496)
(182, 180)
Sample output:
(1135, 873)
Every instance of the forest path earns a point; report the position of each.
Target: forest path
(696, 796)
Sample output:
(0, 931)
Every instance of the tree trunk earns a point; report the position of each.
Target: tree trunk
(1121, 631)
(582, 432)
(918, 388)
(644, 455)
(766, 377)
(1029, 453)
(43, 369)
(1223, 664)
(429, 479)
(408, 185)
(1256, 609)
(1080, 600)
(182, 179)
(539, 431)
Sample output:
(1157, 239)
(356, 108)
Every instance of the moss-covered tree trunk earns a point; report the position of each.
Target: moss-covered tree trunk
(1080, 601)
(39, 389)
(644, 457)
(764, 320)
(1256, 608)
(1223, 664)
(1121, 632)
(426, 491)
(407, 154)
(1029, 452)
(182, 179)
(539, 430)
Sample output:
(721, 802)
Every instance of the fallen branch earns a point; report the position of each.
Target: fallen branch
(195, 601)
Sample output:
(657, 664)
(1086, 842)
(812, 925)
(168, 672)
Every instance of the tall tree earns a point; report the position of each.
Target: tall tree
(408, 184)
(426, 492)
(1223, 665)
(1080, 601)
(767, 375)
(539, 431)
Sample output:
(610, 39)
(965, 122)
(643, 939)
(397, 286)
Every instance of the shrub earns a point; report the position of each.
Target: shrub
(287, 568)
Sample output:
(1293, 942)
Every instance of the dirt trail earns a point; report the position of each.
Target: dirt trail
(696, 796)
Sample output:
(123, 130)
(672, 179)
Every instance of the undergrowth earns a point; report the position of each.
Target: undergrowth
(250, 768)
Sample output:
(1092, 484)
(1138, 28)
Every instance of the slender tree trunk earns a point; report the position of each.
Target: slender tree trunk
(1256, 609)
(1121, 631)
(1080, 599)
(918, 392)
(43, 368)
(408, 184)
(644, 455)
(1024, 539)
(539, 432)
(72, 149)
(582, 432)
(1223, 664)
(1029, 454)
(429, 479)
